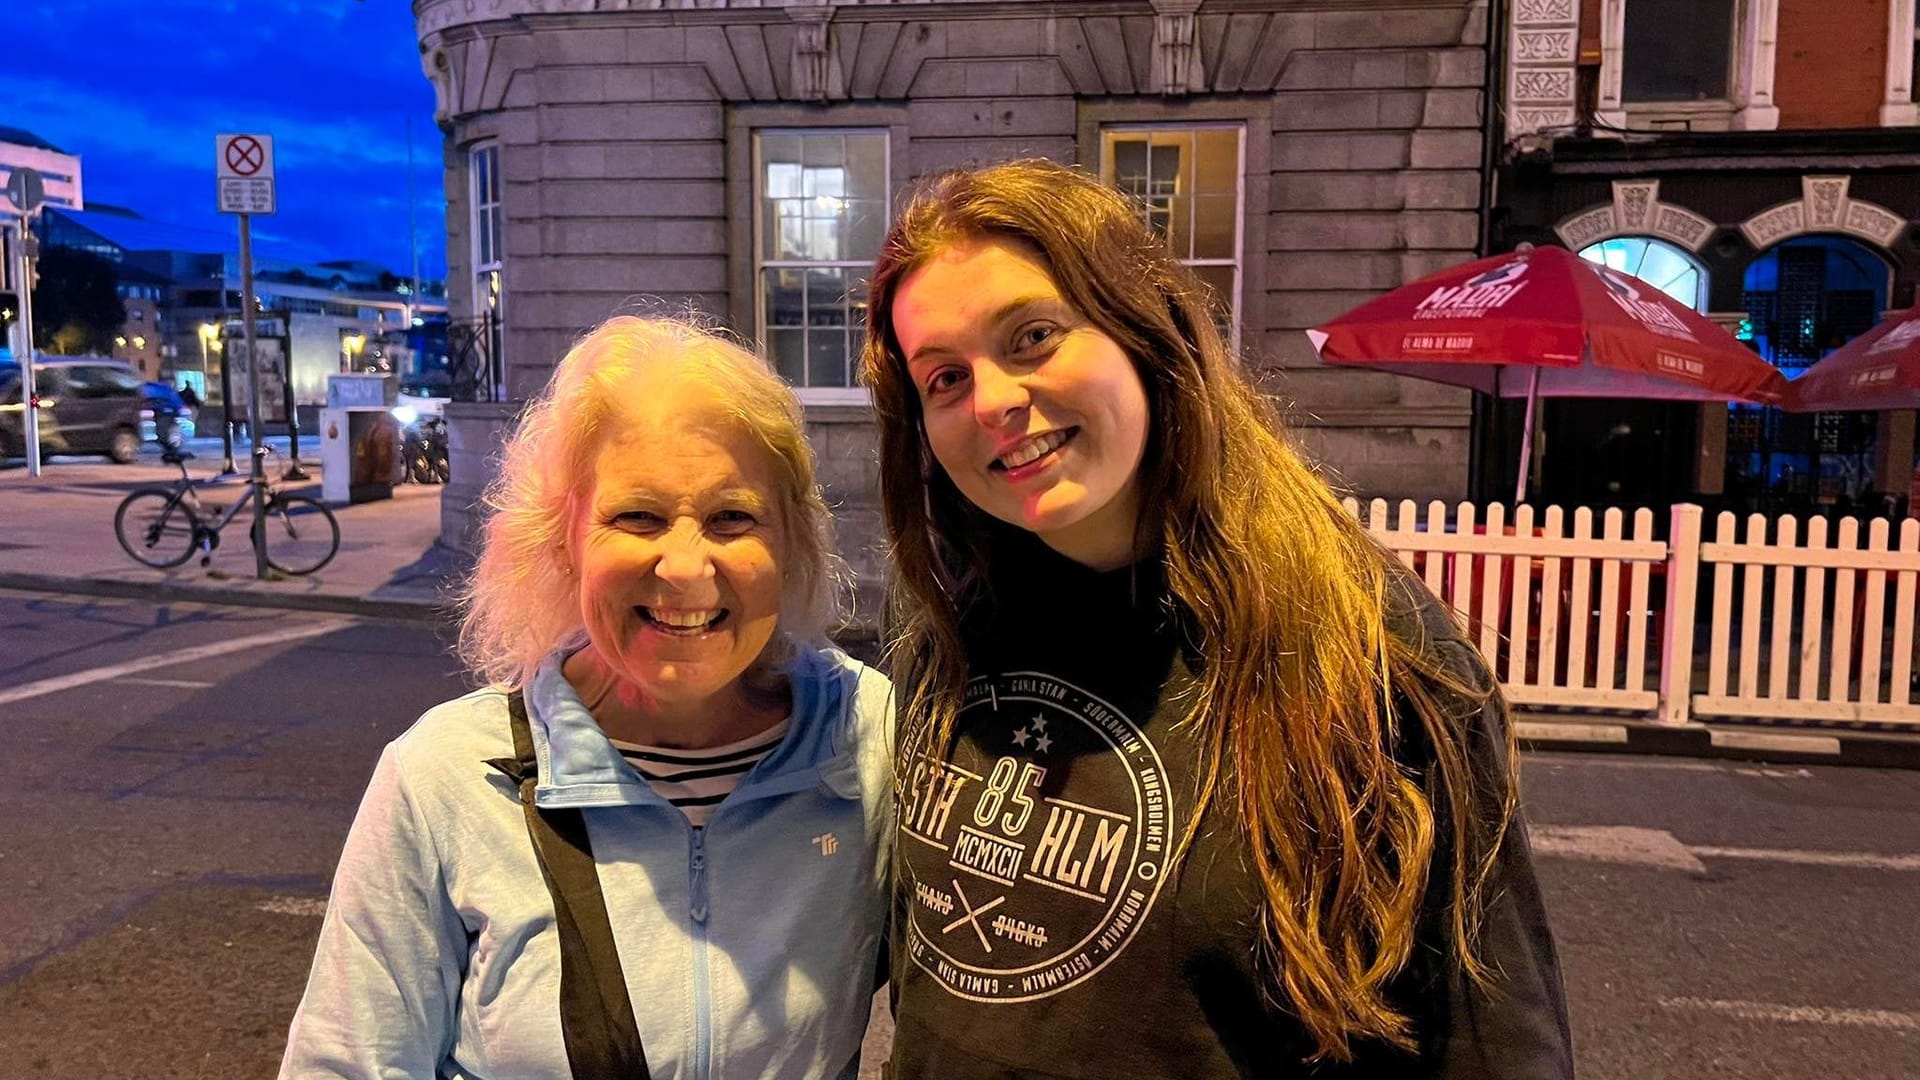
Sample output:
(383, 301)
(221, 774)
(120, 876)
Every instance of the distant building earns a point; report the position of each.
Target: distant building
(336, 315)
(60, 174)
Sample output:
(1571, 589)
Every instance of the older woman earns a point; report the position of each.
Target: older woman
(1197, 783)
(663, 746)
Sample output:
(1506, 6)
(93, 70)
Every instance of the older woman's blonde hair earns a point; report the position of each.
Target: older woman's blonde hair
(521, 602)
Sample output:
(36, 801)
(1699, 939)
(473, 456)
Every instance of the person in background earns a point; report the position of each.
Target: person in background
(1195, 780)
(647, 611)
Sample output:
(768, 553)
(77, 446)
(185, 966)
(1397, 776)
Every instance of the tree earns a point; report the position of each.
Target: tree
(75, 307)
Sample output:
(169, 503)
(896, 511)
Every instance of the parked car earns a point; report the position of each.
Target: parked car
(165, 412)
(88, 405)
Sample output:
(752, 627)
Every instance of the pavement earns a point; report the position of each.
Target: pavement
(56, 536)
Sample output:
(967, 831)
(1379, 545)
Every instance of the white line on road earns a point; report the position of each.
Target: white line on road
(1659, 848)
(1859, 860)
(1799, 1014)
(1618, 844)
(295, 905)
(184, 684)
(178, 656)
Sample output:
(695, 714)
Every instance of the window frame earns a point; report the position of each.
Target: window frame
(1748, 104)
(1237, 303)
(488, 300)
(853, 394)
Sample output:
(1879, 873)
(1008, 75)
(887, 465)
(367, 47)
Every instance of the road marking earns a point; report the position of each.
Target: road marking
(1777, 742)
(184, 684)
(1657, 847)
(1858, 860)
(1616, 844)
(294, 905)
(178, 656)
(1570, 731)
(1800, 1014)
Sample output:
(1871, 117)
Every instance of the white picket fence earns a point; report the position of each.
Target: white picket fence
(1571, 618)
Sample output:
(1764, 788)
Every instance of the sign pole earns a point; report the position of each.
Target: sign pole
(258, 474)
(29, 391)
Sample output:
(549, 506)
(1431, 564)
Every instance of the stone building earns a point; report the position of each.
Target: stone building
(1756, 159)
(739, 157)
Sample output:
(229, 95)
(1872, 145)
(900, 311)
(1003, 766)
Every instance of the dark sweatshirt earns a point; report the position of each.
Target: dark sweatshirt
(1043, 928)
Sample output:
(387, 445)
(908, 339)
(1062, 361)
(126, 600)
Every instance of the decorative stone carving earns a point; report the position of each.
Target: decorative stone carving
(1682, 226)
(1545, 45)
(1176, 52)
(1636, 210)
(1876, 223)
(1824, 207)
(1633, 204)
(1535, 12)
(1543, 84)
(1531, 120)
(1769, 227)
(439, 71)
(1588, 227)
(1542, 38)
(811, 64)
(1823, 196)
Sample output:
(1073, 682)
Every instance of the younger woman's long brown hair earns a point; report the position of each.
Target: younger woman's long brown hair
(1294, 710)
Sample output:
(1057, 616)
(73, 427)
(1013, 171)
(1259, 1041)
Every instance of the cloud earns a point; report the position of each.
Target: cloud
(139, 90)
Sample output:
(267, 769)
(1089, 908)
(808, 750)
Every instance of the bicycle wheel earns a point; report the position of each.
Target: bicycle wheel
(301, 535)
(155, 528)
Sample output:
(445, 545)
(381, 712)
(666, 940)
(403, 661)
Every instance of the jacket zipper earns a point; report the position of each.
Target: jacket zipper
(702, 990)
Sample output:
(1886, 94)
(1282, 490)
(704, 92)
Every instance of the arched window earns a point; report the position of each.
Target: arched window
(1656, 262)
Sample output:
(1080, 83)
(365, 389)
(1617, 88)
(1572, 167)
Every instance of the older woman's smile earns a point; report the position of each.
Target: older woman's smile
(683, 622)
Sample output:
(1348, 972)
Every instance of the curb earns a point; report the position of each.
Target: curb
(173, 592)
(1771, 745)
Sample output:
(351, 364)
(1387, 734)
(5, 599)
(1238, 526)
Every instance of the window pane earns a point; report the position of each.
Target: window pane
(1215, 224)
(782, 180)
(779, 149)
(867, 166)
(1676, 50)
(823, 151)
(789, 228)
(1217, 161)
(826, 297)
(786, 297)
(1219, 281)
(788, 349)
(827, 358)
(493, 231)
(823, 232)
(866, 228)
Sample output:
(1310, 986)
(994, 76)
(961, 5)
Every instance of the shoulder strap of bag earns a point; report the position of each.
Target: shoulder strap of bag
(596, 1017)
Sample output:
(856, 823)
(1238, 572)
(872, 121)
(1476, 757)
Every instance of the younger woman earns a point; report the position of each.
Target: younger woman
(1195, 781)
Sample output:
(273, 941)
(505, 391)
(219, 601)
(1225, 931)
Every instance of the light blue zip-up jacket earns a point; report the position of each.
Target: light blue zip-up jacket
(749, 947)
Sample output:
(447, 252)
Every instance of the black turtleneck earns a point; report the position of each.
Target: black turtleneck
(1044, 927)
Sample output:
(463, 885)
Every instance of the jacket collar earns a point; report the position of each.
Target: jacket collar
(579, 766)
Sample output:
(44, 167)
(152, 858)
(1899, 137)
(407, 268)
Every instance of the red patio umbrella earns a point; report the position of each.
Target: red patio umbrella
(1877, 371)
(1573, 328)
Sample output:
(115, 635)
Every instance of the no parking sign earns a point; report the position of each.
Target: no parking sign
(244, 165)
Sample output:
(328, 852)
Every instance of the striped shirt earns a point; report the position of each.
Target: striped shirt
(696, 780)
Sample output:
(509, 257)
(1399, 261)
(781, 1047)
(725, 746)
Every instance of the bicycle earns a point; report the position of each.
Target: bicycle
(162, 527)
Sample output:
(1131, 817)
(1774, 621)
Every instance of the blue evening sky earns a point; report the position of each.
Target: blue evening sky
(139, 88)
